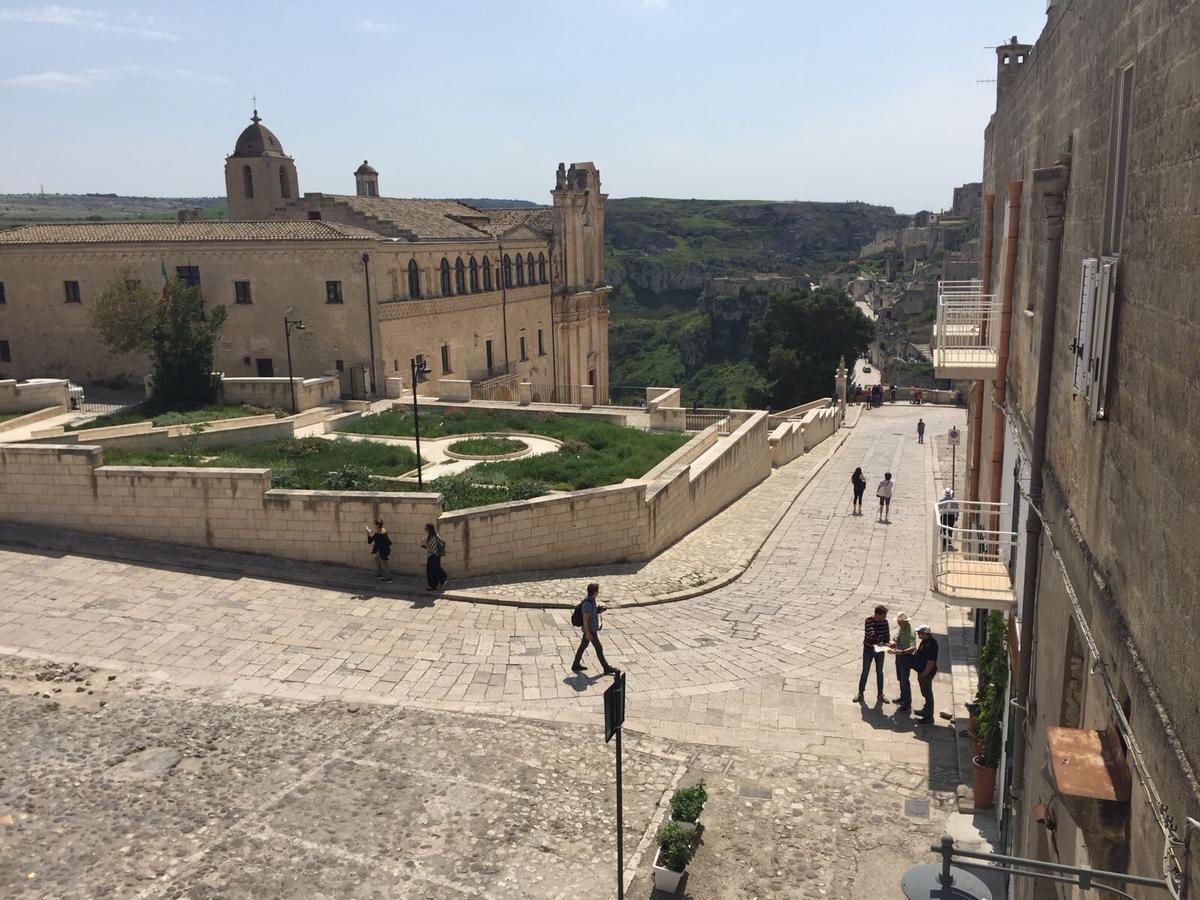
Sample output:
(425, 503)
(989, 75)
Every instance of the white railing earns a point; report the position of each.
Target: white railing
(971, 553)
(968, 323)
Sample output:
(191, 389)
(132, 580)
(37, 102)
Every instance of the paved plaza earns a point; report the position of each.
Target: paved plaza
(498, 782)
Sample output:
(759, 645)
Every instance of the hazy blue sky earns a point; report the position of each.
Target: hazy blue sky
(874, 100)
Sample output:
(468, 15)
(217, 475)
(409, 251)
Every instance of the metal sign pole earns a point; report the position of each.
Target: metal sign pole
(614, 718)
(620, 825)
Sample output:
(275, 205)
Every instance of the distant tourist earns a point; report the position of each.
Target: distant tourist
(947, 515)
(876, 637)
(859, 482)
(435, 549)
(920, 431)
(381, 549)
(924, 662)
(589, 620)
(903, 647)
(912, 395)
(884, 493)
(893, 393)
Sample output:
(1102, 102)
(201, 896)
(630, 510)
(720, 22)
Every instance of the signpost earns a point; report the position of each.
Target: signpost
(953, 438)
(614, 717)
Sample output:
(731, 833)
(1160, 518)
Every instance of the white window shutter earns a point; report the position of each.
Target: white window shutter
(1100, 341)
(1082, 345)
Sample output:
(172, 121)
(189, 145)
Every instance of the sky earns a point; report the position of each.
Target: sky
(877, 100)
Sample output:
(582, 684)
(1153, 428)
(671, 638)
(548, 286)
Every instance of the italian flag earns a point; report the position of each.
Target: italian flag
(164, 278)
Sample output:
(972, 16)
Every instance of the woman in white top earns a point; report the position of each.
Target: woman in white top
(884, 493)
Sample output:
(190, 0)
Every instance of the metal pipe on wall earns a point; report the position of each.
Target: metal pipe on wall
(978, 389)
(1012, 233)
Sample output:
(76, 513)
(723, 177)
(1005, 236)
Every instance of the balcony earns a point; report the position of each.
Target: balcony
(971, 558)
(966, 334)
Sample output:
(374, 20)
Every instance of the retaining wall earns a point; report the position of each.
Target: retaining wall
(143, 435)
(28, 396)
(276, 392)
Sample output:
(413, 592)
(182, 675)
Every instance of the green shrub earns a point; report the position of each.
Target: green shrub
(487, 446)
(993, 686)
(677, 845)
(348, 478)
(686, 803)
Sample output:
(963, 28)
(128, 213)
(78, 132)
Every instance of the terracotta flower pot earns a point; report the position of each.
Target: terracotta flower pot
(976, 749)
(984, 781)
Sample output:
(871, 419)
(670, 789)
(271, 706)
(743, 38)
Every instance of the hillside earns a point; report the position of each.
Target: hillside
(26, 209)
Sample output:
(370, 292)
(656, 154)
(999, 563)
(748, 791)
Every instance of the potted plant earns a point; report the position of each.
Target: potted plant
(686, 805)
(675, 848)
(989, 732)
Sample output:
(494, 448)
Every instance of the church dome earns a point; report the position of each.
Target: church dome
(366, 169)
(257, 140)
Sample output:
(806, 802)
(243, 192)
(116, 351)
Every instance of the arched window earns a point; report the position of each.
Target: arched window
(247, 181)
(520, 270)
(529, 269)
(460, 284)
(474, 276)
(285, 186)
(414, 280)
(487, 274)
(507, 277)
(445, 268)
(542, 268)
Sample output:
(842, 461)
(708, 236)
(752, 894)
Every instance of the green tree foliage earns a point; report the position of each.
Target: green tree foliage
(177, 333)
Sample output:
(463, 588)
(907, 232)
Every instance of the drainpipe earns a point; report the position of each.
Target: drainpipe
(503, 306)
(1012, 217)
(989, 230)
(1051, 183)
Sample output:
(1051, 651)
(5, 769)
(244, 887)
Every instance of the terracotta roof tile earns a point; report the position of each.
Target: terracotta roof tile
(537, 218)
(178, 232)
(422, 219)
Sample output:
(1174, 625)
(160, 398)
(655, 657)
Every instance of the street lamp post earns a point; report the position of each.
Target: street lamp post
(419, 370)
(288, 325)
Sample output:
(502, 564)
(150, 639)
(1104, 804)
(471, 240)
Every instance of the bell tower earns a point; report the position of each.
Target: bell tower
(260, 178)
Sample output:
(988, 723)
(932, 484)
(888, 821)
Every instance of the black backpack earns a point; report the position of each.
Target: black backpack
(577, 616)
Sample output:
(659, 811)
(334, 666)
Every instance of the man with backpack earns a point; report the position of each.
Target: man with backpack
(587, 616)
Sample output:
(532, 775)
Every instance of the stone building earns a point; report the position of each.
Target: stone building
(491, 296)
(1079, 342)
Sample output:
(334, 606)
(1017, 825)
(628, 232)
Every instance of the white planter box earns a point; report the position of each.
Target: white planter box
(666, 880)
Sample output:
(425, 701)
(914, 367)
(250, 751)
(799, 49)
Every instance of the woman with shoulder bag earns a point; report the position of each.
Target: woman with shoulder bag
(435, 548)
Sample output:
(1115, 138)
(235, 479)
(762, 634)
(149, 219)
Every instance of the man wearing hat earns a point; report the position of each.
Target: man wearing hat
(924, 663)
(948, 515)
(903, 646)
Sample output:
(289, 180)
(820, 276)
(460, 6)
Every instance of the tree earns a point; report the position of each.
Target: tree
(800, 338)
(176, 331)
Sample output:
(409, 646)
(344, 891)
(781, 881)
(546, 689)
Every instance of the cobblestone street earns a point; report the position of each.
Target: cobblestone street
(495, 747)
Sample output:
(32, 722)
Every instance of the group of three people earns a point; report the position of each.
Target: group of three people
(914, 652)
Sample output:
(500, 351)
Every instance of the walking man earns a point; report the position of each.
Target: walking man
(591, 632)
(920, 431)
(884, 493)
(876, 633)
(947, 515)
(924, 662)
(381, 549)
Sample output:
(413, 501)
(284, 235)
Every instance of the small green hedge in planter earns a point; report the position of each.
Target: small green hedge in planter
(686, 803)
(676, 846)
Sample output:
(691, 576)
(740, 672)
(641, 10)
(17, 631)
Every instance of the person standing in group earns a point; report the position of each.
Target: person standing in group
(859, 483)
(920, 431)
(924, 662)
(381, 549)
(884, 493)
(590, 622)
(435, 549)
(947, 515)
(876, 633)
(903, 647)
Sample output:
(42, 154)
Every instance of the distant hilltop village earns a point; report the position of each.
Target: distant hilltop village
(496, 295)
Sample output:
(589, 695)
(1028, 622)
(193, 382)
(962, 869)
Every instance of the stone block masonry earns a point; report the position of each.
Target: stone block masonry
(30, 396)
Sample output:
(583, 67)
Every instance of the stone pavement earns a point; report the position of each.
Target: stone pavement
(764, 665)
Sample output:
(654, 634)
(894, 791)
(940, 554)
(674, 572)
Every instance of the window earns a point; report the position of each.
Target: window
(460, 283)
(1093, 331)
(339, 365)
(266, 368)
(487, 349)
(285, 186)
(241, 292)
(333, 292)
(445, 273)
(71, 289)
(5, 353)
(506, 279)
(520, 270)
(542, 268)
(474, 276)
(314, 215)
(3, 299)
(189, 275)
(521, 343)
(541, 346)
(445, 359)
(529, 268)
(247, 182)
(1118, 161)
(487, 274)
(414, 280)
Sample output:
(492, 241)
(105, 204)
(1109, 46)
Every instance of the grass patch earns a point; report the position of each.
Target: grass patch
(161, 416)
(311, 464)
(487, 446)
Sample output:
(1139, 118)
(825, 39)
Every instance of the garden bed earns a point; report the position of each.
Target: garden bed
(160, 416)
(486, 447)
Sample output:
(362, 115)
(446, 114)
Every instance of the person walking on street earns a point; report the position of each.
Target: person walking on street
(590, 616)
(924, 661)
(947, 515)
(435, 549)
(903, 647)
(859, 482)
(381, 549)
(920, 431)
(876, 634)
(884, 493)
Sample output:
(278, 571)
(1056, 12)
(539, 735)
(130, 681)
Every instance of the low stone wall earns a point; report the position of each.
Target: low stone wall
(276, 392)
(797, 412)
(511, 409)
(659, 397)
(796, 437)
(143, 435)
(31, 418)
(228, 509)
(28, 396)
(454, 390)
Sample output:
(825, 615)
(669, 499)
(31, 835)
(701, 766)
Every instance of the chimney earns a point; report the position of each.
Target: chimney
(1010, 60)
(190, 214)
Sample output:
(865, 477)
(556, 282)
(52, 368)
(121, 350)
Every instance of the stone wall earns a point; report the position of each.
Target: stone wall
(143, 435)
(276, 392)
(31, 396)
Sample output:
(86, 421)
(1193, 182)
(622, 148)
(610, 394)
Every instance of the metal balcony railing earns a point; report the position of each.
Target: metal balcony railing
(967, 330)
(971, 555)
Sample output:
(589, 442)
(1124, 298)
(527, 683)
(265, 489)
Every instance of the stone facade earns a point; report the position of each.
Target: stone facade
(377, 281)
(1108, 100)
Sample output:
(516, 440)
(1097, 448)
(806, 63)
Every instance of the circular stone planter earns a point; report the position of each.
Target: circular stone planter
(454, 453)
